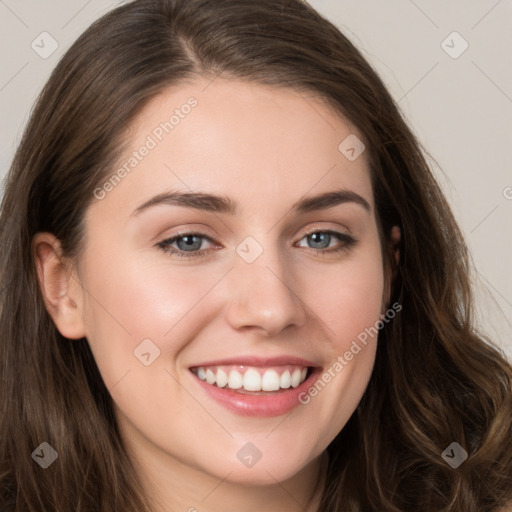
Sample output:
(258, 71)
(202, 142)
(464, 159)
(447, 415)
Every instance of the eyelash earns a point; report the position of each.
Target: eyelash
(164, 245)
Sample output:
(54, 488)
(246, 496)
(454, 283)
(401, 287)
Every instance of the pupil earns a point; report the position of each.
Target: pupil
(318, 238)
(188, 242)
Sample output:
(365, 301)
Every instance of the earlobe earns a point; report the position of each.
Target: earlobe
(59, 285)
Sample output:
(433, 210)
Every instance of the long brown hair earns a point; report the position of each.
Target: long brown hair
(436, 379)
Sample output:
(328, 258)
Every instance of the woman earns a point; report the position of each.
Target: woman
(230, 281)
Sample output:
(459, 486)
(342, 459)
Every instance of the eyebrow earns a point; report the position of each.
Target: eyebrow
(223, 204)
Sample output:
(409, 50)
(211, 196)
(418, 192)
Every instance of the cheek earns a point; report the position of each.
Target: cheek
(346, 297)
(348, 301)
(129, 301)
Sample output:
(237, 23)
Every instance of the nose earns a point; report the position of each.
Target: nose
(264, 296)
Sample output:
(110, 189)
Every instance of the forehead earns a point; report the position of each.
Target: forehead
(256, 143)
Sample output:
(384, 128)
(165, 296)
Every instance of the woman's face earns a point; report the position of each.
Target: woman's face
(255, 292)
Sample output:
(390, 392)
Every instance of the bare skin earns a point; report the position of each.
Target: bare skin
(265, 149)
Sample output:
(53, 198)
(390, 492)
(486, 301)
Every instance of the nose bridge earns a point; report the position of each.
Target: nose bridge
(262, 292)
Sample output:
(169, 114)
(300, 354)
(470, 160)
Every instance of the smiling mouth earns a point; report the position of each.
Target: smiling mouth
(252, 379)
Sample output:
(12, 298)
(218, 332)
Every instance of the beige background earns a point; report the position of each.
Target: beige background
(458, 103)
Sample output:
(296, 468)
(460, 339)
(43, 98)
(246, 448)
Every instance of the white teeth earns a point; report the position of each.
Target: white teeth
(296, 378)
(222, 378)
(210, 376)
(235, 380)
(270, 381)
(286, 380)
(253, 379)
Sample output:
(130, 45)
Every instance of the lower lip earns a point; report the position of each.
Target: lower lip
(275, 403)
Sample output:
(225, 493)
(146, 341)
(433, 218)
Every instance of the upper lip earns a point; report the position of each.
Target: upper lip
(258, 361)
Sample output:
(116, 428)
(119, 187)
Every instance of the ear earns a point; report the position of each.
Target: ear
(392, 261)
(59, 286)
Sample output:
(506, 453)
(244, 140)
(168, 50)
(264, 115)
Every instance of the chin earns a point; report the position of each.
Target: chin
(278, 467)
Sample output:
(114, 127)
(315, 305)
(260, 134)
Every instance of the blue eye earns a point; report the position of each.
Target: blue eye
(321, 241)
(188, 245)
